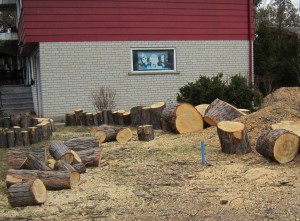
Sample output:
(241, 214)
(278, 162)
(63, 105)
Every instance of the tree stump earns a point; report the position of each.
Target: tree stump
(219, 111)
(78, 117)
(18, 136)
(89, 119)
(27, 194)
(6, 122)
(25, 121)
(3, 139)
(33, 135)
(145, 132)
(81, 143)
(233, 137)
(99, 118)
(126, 118)
(145, 116)
(39, 132)
(155, 114)
(91, 157)
(59, 151)
(115, 117)
(95, 119)
(136, 116)
(32, 162)
(278, 145)
(123, 135)
(120, 117)
(10, 137)
(183, 118)
(25, 138)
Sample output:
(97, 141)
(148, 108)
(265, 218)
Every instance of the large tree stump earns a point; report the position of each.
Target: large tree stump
(27, 194)
(126, 118)
(145, 132)
(6, 122)
(17, 156)
(39, 132)
(33, 135)
(10, 136)
(95, 119)
(25, 121)
(115, 117)
(107, 117)
(219, 111)
(183, 118)
(155, 114)
(3, 139)
(89, 119)
(32, 162)
(136, 116)
(81, 143)
(120, 117)
(123, 135)
(99, 118)
(279, 145)
(18, 136)
(145, 116)
(70, 119)
(59, 151)
(25, 137)
(233, 137)
(78, 117)
(91, 157)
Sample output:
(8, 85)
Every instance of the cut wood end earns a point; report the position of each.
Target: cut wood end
(124, 135)
(146, 108)
(93, 131)
(51, 162)
(77, 158)
(126, 113)
(39, 191)
(74, 178)
(293, 126)
(101, 135)
(201, 108)
(286, 147)
(10, 180)
(188, 119)
(121, 111)
(157, 105)
(209, 121)
(78, 110)
(68, 157)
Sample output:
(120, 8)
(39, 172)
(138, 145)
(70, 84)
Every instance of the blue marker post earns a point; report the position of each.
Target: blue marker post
(202, 153)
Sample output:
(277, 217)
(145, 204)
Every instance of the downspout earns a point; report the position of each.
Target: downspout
(250, 41)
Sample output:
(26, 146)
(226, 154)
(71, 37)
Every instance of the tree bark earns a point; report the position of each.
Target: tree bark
(145, 116)
(106, 135)
(33, 162)
(63, 165)
(233, 137)
(6, 122)
(145, 133)
(3, 139)
(155, 114)
(95, 120)
(136, 116)
(33, 135)
(79, 167)
(27, 194)
(219, 111)
(91, 157)
(120, 117)
(100, 118)
(89, 119)
(278, 145)
(59, 151)
(79, 117)
(293, 126)
(123, 135)
(126, 118)
(10, 136)
(81, 143)
(25, 121)
(25, 138)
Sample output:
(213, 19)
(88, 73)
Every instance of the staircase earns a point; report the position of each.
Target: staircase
(16, 99)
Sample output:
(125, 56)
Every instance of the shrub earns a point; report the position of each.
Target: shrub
(203, 91)
(103, 98)
(206, 89)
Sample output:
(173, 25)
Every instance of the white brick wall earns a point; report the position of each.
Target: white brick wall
(71, 71)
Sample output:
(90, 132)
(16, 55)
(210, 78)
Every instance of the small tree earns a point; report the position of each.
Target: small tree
(103, 98)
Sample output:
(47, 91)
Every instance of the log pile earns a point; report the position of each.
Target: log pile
(24, 130)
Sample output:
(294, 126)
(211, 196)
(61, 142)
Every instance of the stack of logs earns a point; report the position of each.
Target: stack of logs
(24, 130)
(31, 173)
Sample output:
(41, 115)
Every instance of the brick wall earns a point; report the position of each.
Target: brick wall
(71, 71)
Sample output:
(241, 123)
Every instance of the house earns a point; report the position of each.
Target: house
(144, 50)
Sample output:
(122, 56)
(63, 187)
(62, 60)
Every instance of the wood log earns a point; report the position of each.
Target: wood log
(78, 117)
(293, 126)
(183, 118)
(201, 108)
(25, 138)
(27, 194)
(15, 120)
(33, 135)
(145, 116)
(3, 139)
(233, 137)
(81, 143)
(136, 116)
(51, 163)
(89, 119)
(79, 167)
(63, 165)
(33, 122)
(10, 136)
(84, 118)
(100, 118)
(120, 117)
(70, 119)
(33, 162)
(76, 157)
(91, 157)
(59, 151)
(39, 132)
(145, 133)
(25, 121)
(107, 117)
(106, 135)
(53, 180)
(123, 135)
(219, 111)
(16, 156)
(126, 118)
(155, 114)
(278, 145)
(115, 118)
(6, 123)
(245, 111)
(45, 130)
(95, 120)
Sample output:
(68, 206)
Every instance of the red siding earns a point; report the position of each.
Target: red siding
(94, 20)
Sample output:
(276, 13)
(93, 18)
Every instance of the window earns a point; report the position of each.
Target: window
(153, 60)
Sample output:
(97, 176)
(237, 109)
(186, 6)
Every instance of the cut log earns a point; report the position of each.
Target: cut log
(106, 135)
(51, 163)
(59, 151)
(107, 117)
(76, 157)
(25, 138)
(99, 118)
(18, 136)
(79, 167)
(17, 156)
(78, 117)
(279, 145)
(183, 118)
(219, 111)
(6, 122)
(233, 137)
(27, 194)
(121, 117)
(115, 117)
(145, 132)
(145, 116)
(91, 157)
(245, 111)
(10, 136)
(136, 116)
(33, 135)
(293, 126)
(82, 143)
(155, 114)
(89, 119)
(201, 108)
(33, 162)
(124, 135)
(63, 165)
(39, 132)
(126, 118)
(70, 119)
(95, 120)
(25, 121)
(20, 176)
(3, 139)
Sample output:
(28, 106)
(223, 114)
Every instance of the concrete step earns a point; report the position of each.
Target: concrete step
(16, 96)
(13, 89)
(16, 100)
(17, 110)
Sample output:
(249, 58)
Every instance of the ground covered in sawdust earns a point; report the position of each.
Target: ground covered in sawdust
(164, 180)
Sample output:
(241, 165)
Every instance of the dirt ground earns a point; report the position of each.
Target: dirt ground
(164, 180)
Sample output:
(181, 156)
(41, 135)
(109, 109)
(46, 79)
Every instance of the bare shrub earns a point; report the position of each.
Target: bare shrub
(103, 98)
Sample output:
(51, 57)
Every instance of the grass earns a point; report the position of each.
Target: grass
(3, 164)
